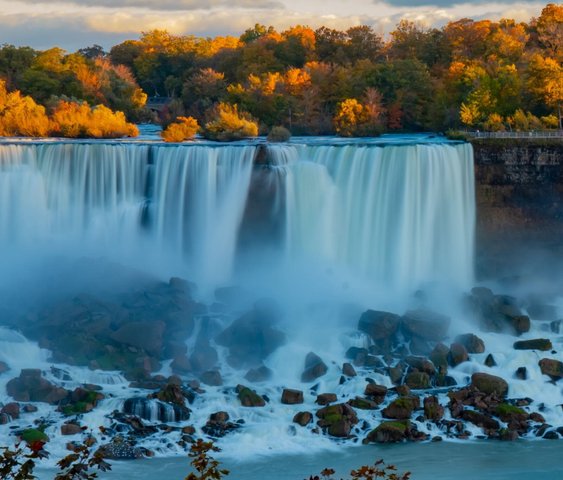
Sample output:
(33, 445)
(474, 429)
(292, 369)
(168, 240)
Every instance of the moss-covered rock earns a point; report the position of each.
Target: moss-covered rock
(249, 398)
(389, 432)
(401, 408)
(418, 380)
(489, 384)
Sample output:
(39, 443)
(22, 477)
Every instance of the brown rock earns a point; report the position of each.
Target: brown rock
(291, 397)
(249, 398)
(458, 354)
(542, 344)
(30, 386)
(471, 342)
(421, 364)
(379, 325)
(425, 324)
(12, 409)
(326, 398)
(551, 367)
(417, 380)
(401, 408)
(432, 408)
(4, 367)
(348, 370)
(147, 336)
(314, 368)
(212, 378)
(389, 432)
(489, 384)
(480, 419)
(70, 429)
(375, 392)
(303, 418)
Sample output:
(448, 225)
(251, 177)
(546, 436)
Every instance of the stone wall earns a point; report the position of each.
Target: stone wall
(519, 190)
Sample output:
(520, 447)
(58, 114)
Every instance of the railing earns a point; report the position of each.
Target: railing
(532, 134)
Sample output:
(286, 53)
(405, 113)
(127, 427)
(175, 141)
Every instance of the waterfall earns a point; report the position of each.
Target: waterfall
(402, 216)
(92, 199)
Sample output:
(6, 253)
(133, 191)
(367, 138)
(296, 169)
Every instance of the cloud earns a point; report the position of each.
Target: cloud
(439, 3)
(178, 5)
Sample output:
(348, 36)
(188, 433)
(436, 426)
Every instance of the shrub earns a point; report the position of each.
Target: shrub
(229, 124)
(279, 134)
(550, 121)
(78, 120)
(20, 115)
(204, 464)
(184, 128)
(494, 123)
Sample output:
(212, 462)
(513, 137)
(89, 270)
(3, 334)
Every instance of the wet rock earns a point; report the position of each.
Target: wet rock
(4, 419)
(357, 355)
(403, 390)
(420, 346)
(219, 425)
(401, 408)
(291, 397)
(249, 398)
(480, 420)
(389, 432)
(252, 337)
(363, 403)
(30, 386)
(489, 384)
(457, 354)
(421, 364)
(120, 449)
(4, 367)
(521, 373)
(381, 327)
(30, 408)
(425, 324)
(551, 435)
(551, 367)
(155, 411)
(80, 401)
(432, 408)
(555, 326)
(12, 409)
(303, 418)
(507, 435)
(490, 361)
(70, 429)
(376, 393)
(417, 380)
(147, 336)
(171, 393)
(204, 357)
(444, 381)
(471, 342)
(181, 364)
(396, 373)
(314, 368)
(514, 416)
(542, 311)
(326, 398)
(337, 420)
(260, 374)
(439, 357)
(348, 370)
(498, 313)
(542, 344)
(212, 378)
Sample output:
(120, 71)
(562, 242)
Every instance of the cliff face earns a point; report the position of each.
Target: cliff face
(519, 190)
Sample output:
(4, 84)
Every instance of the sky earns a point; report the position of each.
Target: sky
(73, 24)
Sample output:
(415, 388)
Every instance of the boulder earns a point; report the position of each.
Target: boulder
(204, 357)
(30, 386)
(259, 374)
(439, 357)
(542, 344)
(171, 393)
(337, 420)
(432, 408)
(219, 425)
(4, 367)
(389, 432)
(480, 420)
(212, 378)
(551, 367)
(489, 384)
(363, 403)
(348, 370)
(252, 337)
(521, 373)
(291, 397)
(499, 313)
(421, 364)
(120, 449)
(314, 368)
(457, 354)
(326, 398)
(376, 393)
(425, 324)
(471, 342)
(542, 311)
(249, 398)
(490, 361)
(12, 409)
(379, 325)
(70, 429)
(417, 380)
(303, 418)
(401, 408)
(147, 336)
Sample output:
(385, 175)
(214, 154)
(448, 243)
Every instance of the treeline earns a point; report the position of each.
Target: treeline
(476, 74)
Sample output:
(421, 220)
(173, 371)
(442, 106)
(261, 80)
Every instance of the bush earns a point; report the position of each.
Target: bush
(279, 134)
(494, 123)
(229, 124)
(184, 128)
(78, 120)
(20, 115)
(550, 121)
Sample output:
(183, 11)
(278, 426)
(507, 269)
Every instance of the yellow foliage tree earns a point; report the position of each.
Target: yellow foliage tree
(354, 119)
(184, 128)
(20, 115)
(228, 123)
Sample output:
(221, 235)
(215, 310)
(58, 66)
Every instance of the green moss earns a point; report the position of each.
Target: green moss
(397, 424)
(32, 435)
(404, 402)
(505, 409)
(333, 418)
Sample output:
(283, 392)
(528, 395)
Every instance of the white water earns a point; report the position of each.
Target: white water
(399, 215)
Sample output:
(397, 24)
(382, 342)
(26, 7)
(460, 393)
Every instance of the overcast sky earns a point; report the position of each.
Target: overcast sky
(72, 24)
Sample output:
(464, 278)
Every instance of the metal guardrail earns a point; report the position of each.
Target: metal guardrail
(532, 134)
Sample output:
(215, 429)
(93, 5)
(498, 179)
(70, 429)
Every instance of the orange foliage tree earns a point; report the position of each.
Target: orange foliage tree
(183, 128)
